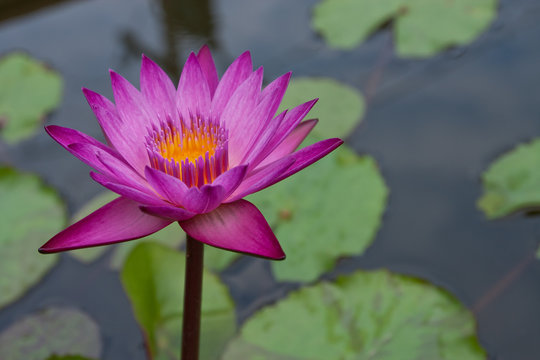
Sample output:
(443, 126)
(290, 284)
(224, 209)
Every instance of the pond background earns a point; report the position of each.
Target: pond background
(432, 125)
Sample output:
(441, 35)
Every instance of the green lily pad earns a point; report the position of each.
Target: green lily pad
(328, 210)
(29, 91)
(218, 259)
(421, 27)
(340, 107)
(153, 277)
(512, 182)
(30, 213)
(50, 332)
(366, 315)
(172, 235)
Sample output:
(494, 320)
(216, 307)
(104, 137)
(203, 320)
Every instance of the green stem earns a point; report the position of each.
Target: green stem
(192, 299)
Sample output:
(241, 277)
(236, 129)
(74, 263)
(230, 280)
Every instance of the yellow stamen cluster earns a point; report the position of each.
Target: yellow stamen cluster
(188, 143)
(196, 152)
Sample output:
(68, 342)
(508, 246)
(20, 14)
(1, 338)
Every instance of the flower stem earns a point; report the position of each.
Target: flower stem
(192, 299)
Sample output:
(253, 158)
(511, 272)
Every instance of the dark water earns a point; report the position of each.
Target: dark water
(433, 126)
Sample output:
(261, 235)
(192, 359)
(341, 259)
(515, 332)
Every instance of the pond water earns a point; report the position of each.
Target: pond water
(432, 125)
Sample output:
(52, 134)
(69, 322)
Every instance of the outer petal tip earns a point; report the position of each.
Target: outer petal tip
(204, 48)
(43, 250)
(115, 77)
(90, 95)
(192, 57)
(50, 129)
(246, 53)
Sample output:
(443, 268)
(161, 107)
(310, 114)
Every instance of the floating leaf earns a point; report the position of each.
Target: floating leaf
(172, 235)
(422, 27)
(346, 23)
(512, 182)
(218, 259)
(329, 210)
(340, 107)
(30, 213)
(50, 332)
(367, 315)
(29, 91)
(153, 276)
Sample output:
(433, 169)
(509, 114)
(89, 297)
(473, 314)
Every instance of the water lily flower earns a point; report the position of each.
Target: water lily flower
(190, 155)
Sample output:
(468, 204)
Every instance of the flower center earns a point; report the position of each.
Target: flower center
(194, 153)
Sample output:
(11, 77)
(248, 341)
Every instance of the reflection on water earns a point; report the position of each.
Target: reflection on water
(178, 20)
(10, 9)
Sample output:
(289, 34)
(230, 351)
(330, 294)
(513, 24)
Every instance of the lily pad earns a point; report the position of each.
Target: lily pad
(30, 213)
(340, 107)
(329, 210)
(218, 259)
(172, 235)
(367, 315)
(153, 277)
(50, 332)
(421, 27)
(29, 91)
(512, 182)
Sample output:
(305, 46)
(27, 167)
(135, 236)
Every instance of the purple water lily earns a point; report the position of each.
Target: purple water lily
(190, 155)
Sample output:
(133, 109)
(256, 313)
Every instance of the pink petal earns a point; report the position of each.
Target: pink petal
(209, 68)
(261, 179)
(116, 130)
(158, 89)
(136, 118)
(291, 142)
(119, 220)
(196, 200)
(276, 89)
(193, 95)
(250, 134)
(66, 136)
(205, 199)
(235, 75)
(308, 155)
(115, 169)
(171, 188)
(168, 212)
(127, 191)
(242, 105)
(231, 179)
(238, 226)
(131, 105)
(289, 123)
(255, 154)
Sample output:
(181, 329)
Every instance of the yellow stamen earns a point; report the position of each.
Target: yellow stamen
(196, 154)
